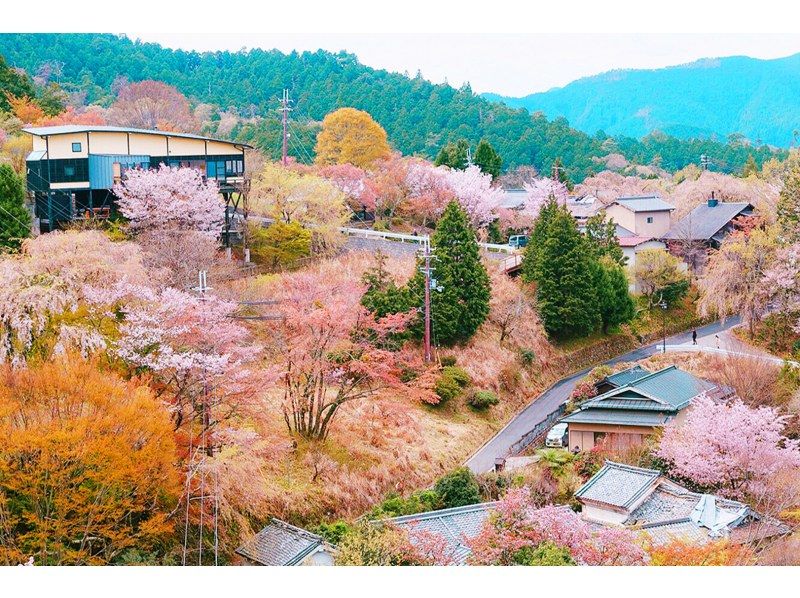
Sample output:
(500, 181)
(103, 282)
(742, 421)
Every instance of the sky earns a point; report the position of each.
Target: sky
(513, 64)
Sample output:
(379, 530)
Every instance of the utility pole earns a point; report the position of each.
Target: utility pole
(285, 110)
(426, 269)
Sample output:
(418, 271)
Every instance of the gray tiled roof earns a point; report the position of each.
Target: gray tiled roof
(454, 525)
(644, 203)
(665, 509)
(67, 129)
(280, 544)
(617, 417)
(702, 223)
(618, 485)
(682, 530)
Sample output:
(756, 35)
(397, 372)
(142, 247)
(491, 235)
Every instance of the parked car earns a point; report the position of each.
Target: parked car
(518, 241)
(558, 436)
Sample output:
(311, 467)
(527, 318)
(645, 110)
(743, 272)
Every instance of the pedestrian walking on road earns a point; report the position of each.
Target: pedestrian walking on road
(694, 337)
(716, 336)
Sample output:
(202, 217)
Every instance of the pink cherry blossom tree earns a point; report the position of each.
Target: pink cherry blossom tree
(353, 182)
(170, 198)
(736, 451)
(474, 191)
(323, 348)
(517, 524)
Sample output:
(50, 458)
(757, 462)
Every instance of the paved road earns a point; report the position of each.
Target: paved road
(498, 446)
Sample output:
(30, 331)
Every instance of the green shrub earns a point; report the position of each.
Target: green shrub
(446, 389)
(458, 488)
(448, 360)
(461, 377)
(482, 399)
(395, 505)
(545, 554)
(334, 532)
(527, 357)
(280, 245)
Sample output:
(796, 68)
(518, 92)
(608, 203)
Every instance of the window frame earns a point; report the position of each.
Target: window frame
(79, 145)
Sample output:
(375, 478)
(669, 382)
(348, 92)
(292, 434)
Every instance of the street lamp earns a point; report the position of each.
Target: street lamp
(663, 305)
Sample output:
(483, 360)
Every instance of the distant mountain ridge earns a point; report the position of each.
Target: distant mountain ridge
(757, 98)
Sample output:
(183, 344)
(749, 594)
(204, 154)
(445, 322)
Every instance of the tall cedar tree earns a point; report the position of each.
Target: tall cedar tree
(602, 237)
(615, 302)
(15, 220)
(461, 304)
(487, 159)
(564, 271)
(453, 154)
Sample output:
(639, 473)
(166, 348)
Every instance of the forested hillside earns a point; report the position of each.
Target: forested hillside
(419, 117)
(721, 96)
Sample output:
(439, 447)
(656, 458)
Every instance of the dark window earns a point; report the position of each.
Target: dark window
(67, 171)
(649, 220)
(76, 147)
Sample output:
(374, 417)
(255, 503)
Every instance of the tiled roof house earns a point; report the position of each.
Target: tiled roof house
(709, 222)
(282, 544)
(633, 403)
(644, 499)
(455, 526)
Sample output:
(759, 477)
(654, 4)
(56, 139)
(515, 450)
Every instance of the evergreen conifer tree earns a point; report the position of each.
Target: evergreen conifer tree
(454, 155)
(15, 220)
(460, 301)
(615, 302)
(487, 159)
(601, 234)
(564, 270)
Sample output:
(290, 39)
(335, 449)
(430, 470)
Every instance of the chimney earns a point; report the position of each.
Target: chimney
(713, 201)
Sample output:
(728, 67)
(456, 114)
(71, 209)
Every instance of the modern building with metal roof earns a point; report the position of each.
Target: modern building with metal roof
(633, 403)
(644, 203)
(709, 223)
(72, 169)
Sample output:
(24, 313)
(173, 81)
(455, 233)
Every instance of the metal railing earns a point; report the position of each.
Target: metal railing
(421, 239)
(537, 432)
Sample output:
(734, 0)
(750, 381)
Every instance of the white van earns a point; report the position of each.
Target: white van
(557, 437)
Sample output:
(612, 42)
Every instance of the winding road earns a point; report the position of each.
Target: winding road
(547, 402)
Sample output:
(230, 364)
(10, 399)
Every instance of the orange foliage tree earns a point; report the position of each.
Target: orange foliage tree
(351, 136)
(680, 553)
(25, 109)
(92, 115)
(86, 466)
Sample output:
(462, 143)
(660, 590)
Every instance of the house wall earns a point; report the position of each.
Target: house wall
(60, 146)
(583, 435)
(637, 221)
(108, 143)
(662, 220)
(595, 513)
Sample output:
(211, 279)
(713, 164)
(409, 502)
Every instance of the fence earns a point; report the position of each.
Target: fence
(704, 349)
(421, 239)
(538, 431)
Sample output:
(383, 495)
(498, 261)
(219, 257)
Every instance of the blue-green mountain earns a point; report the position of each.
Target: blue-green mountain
(759, 99)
